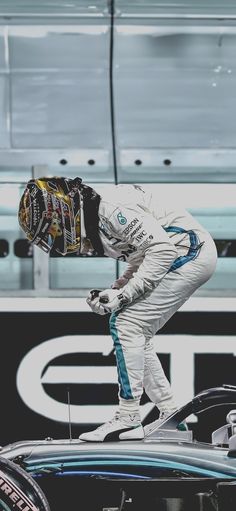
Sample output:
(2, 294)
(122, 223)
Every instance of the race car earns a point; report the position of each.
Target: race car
(167, 471)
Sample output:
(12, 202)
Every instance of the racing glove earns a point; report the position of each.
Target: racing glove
(113, 299)
(95, 304)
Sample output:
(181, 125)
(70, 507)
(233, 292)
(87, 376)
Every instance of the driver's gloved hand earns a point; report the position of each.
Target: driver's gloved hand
(94, 303)
(113, 299)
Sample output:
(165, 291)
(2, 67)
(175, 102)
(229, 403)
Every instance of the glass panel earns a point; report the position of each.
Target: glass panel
(4, 93)
(60, 95)
(223, 282)
(82, 272)
(175, 7)
(15, 273)
(174, 84)
(59, 106)
(54, 7)
(13, 175)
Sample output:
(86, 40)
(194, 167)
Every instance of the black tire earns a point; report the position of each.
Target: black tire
(18, 490)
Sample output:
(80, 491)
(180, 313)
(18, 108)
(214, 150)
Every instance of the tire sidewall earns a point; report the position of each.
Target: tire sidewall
(18, 490)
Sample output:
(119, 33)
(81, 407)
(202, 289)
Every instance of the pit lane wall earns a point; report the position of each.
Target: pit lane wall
(58, 365)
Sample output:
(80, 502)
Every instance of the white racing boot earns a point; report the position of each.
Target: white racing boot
(149, 428)
(121, 427)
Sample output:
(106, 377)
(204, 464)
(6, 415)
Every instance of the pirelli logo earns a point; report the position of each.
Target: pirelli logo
(20, 500)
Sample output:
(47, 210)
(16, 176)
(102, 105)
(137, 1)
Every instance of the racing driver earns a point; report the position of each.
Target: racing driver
(169, 255)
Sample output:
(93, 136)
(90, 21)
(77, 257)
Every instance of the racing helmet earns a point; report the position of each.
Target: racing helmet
(50, 214)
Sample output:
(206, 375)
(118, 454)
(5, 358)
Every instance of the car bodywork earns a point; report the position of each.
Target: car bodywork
(168, 463)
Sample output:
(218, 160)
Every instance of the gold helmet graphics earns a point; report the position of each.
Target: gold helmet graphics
(49, 214)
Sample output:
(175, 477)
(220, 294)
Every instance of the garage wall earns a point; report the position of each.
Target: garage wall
(116, 92)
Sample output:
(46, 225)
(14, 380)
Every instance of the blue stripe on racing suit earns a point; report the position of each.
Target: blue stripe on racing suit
(123, 378)
(193, 251)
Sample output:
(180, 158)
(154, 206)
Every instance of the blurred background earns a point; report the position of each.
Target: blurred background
(114, 92)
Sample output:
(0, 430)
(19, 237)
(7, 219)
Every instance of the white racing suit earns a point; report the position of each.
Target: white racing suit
(169, 255)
